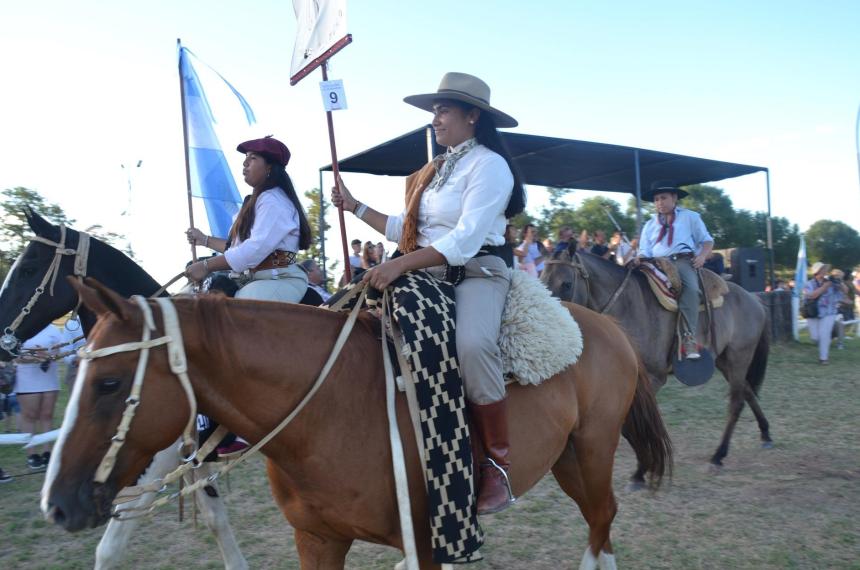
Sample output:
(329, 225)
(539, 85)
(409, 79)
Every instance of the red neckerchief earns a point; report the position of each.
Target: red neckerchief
(667, 225)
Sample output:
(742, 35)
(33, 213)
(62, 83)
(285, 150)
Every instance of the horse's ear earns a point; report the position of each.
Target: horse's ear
(39, 225)
(102, 300)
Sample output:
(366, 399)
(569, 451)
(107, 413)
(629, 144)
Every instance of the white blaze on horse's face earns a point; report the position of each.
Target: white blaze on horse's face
(69, 420)
(11, 272)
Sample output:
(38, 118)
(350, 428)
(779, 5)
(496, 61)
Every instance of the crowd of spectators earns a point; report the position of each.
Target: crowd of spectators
(531, 251)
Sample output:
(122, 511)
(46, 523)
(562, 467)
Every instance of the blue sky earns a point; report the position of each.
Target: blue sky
(91, 85)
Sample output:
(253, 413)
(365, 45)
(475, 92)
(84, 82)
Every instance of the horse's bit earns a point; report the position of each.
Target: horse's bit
(9, 342)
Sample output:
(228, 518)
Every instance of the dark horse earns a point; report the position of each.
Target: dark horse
(330, 469)
(105, 263)
(113, 267)
(741, 340)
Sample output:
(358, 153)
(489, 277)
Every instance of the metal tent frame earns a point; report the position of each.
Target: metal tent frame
(563, 163)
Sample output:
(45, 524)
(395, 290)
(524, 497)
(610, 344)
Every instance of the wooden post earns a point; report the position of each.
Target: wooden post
(336, 172)
(185, 140)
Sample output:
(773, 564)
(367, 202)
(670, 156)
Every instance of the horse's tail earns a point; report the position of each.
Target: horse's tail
(758, 366)
(645, 431)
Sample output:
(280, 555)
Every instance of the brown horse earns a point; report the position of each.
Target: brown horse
(741, 338)
(251, 362)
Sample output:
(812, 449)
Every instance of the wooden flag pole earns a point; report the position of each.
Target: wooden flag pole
(185, 140)
(336, 172)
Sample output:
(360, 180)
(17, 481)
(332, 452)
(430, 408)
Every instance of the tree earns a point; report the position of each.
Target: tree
(786, 238)
(557, 215)
(592, 216)
(717, 212)
(316, 220)
(319, 227)
(833, 242)
(14, 230)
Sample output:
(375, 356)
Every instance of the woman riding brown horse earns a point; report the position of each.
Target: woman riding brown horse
(330, 472)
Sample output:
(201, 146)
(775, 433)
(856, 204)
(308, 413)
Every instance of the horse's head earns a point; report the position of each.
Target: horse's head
(565, 276)
(19, 322)
(71, 496)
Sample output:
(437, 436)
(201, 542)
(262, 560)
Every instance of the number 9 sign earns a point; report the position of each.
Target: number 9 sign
(334, 97)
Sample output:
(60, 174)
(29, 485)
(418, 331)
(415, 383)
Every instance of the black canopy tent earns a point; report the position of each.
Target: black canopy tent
(561, 163)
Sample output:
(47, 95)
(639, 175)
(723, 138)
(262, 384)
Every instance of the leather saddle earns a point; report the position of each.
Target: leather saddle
(665, 283)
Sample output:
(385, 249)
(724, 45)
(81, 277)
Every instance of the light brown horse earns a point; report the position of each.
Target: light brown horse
(251, 362)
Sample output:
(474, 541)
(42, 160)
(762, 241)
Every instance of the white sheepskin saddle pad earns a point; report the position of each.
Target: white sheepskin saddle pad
(539, 336)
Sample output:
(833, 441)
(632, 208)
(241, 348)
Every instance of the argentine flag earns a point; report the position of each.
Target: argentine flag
(799, 283)
(210, 176)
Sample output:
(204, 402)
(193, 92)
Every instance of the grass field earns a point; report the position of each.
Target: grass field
(793, 506)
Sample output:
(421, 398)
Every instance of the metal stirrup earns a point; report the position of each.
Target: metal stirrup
(506, 478)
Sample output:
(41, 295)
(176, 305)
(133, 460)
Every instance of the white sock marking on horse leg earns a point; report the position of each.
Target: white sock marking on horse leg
(214, 513)
(606, 561)
(589, 562)
(111, 547)
(69, 418)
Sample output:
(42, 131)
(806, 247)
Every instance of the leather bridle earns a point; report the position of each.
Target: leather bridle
(579, 269)
(8, 341)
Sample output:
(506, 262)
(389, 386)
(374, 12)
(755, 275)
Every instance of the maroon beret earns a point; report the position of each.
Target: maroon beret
(270, 147)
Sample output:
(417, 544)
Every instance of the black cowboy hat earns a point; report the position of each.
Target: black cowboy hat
(661, 186)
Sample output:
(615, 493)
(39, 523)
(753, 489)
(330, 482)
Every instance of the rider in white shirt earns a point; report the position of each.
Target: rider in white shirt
(680, 235)
(266, 234)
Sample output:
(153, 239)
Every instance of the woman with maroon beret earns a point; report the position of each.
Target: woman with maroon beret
(266, 234)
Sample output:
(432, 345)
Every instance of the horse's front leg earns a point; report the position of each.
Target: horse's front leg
(112, 546)
(321, 553)
(214, 513)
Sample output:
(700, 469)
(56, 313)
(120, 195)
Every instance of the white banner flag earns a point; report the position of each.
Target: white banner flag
(320, 33)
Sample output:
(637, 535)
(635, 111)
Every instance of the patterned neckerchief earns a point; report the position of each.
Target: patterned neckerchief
(445, 163)
(667, 225)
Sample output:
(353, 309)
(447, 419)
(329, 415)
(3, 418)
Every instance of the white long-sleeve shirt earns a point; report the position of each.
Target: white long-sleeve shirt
(31, 377)
(688, 235)
(465, 213)
(276, 226)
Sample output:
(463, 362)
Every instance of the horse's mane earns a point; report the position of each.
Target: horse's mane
(213, 316)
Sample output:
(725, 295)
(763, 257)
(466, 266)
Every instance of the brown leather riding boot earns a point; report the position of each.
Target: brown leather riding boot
(491, 421)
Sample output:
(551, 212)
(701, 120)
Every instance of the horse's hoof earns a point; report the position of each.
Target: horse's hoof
(715, 468)
(634, 486)
(767, 445)
(400, 565)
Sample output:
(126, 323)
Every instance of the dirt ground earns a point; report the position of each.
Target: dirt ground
(793, 506)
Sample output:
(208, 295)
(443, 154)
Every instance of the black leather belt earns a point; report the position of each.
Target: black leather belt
(505, 252)
(677, 256)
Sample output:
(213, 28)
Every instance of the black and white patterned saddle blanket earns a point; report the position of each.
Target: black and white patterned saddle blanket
(422, 309)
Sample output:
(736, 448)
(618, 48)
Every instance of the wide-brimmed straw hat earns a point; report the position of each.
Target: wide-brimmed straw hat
(661, 186)
(466, 88)
(818, 266)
